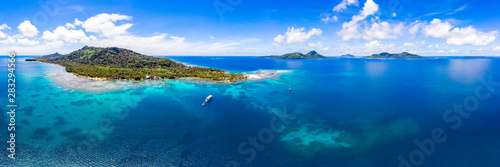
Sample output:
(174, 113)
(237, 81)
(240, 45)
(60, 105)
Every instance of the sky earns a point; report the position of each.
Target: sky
(253, 27)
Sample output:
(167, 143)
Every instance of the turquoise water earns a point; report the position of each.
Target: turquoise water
(340, 112)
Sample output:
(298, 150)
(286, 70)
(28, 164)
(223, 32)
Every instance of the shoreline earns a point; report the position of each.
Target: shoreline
(142, 79)
(71, 81)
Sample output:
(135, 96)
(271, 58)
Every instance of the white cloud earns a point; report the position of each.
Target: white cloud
(350, 29)
(382, 30)
(370, 8)
(434, 46)
(104, 24)
(8, 40)
(61, 33)
(458, 36)
(27, 29)
(279, 39)
(410, 47)
(327, 19)
(376, 46)
(394, 15)
(111, 34)
(69, 25)
(296, 36)
(2, 34)
(26, 41)
(496, 48)
(211, 37)
(78, 22)
(319, 45)
(4, 26)
(343, 5)
(470, 36)
(437, 29)
(414, 28)
(165, 45)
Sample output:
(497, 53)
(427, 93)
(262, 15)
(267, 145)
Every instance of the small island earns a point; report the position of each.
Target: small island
(404, 55)
(46, 56)
(297, 55)
(347, 56)
(118, 63)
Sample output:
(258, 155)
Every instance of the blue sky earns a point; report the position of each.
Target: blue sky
(244, 27)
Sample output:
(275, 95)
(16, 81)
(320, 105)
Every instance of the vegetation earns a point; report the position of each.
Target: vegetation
(52, 55)
(298, 55)
(118, 63)
(404, 55)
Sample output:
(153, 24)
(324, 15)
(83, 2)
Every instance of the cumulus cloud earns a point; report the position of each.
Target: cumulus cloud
(410, 47)
(327, 18)
(2, 34)
(458, 36)
(350, 29)
(69, 25)
(4, 26)
(71, 36)
(382, 30)
(27, 29)
(26, 41)
(104, 24)
(110, 30)
(78, 22)
(343, 5)
(319, 45)
(394, 15)
(296, 36)
(8, 40)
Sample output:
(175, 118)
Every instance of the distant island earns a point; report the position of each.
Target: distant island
(52, 55)
(47, 56)
(119, 63)
(297, 55)
(347, 56)
(404, 55)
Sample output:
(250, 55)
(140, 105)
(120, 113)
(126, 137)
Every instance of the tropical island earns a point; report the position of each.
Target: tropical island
(347, 56)
(404, 55)
(297, 55)
(118, 63)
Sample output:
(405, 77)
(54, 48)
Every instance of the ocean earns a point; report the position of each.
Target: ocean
(440, 111)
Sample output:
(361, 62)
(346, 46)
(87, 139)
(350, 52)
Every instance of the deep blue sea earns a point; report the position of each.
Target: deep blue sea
(341, 112)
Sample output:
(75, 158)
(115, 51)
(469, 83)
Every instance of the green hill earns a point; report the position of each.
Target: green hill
(119, 63)
(404, 55)
(298, 55)
(52, 55)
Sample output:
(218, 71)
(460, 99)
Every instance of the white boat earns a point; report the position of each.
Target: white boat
(207, 100)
